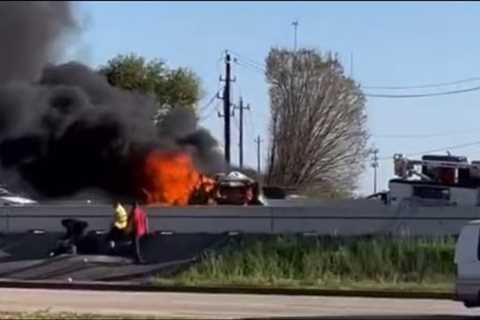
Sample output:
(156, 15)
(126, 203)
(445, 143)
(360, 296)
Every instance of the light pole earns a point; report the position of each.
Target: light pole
(295, 26)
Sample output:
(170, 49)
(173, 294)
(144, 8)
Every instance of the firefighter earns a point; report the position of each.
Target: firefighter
(138, 228)
(118, 231)
(74, 234)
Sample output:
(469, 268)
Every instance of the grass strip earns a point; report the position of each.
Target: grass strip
(410, 264)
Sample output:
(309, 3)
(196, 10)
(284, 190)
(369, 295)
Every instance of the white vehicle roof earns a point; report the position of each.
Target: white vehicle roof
(237, 176)
(18, 200)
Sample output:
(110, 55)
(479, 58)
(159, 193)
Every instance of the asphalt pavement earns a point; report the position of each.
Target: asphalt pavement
(230, 306)
(26, 257)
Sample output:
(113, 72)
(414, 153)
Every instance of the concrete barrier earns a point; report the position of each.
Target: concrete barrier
(353, 217)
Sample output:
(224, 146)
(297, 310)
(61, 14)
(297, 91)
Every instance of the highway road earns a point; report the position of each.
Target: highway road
(229, 306)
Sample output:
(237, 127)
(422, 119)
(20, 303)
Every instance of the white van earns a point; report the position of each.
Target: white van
(467, 261)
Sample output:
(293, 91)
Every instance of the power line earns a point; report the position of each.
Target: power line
(214, 110)
(241, 56)
(209, 103)
(416, 136)
(216, 94)
(248, 62)
(257, 66)
(458, 146)
(253, 67)
(444, 93)
(431, 85)
(218, 63)
(205, 107)
(376, 95)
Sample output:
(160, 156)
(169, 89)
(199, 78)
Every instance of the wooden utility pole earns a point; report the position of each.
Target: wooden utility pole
(258, 141)
(375, 166)
(240, 107)
(226, 107)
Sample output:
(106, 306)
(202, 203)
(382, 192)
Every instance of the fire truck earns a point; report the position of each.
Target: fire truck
(436, 180)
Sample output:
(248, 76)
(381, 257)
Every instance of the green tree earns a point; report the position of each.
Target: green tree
(171, 87)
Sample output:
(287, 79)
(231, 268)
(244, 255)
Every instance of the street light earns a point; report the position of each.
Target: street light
(295, 25)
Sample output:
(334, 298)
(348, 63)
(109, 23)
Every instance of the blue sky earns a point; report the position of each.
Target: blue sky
(393, 44)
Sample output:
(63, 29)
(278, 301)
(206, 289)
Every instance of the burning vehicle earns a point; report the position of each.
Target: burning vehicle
(171, 179)
(237, 189)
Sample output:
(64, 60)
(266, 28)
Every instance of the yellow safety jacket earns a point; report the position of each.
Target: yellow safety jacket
(120, 217)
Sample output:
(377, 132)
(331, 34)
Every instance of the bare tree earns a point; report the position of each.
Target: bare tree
(318, 132)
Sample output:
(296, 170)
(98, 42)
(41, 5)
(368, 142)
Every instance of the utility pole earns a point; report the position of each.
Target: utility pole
(258, 141)
(226, 106)
(295, 26)
(240, 107)
(375, 166)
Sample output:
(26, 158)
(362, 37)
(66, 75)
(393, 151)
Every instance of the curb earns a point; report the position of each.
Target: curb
(136, 287)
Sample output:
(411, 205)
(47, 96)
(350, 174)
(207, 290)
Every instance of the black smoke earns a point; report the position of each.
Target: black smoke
(63, 128)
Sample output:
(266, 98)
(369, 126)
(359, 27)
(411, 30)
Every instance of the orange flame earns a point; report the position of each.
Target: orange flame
(169, 178)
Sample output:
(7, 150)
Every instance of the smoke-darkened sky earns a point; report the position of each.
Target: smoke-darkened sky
(63, 128)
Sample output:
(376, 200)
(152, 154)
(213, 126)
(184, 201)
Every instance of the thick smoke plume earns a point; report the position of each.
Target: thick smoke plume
(63, 128)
